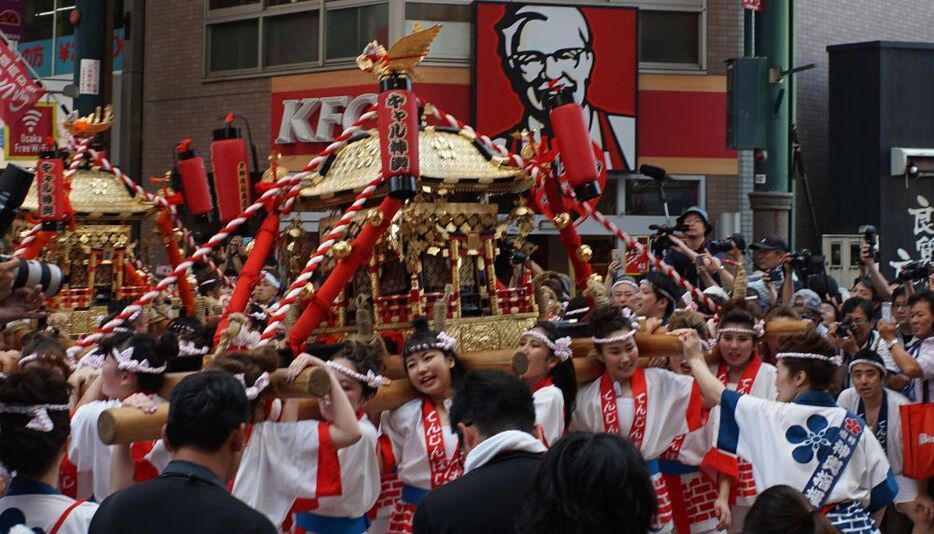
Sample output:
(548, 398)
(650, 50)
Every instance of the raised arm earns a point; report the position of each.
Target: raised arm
(711, 387)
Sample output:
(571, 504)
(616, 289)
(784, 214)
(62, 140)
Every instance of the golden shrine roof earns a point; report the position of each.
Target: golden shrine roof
(448, 158)
(95, 192)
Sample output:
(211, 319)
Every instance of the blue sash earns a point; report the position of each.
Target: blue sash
(412, 494)
(312, 522)
(831, 468)
(882, 424)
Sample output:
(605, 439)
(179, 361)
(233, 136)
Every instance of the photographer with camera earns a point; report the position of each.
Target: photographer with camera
(869, 269)
(689, 254)
(774, 270)
(858, 332)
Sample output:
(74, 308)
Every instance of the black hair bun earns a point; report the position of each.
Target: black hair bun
(420, 324)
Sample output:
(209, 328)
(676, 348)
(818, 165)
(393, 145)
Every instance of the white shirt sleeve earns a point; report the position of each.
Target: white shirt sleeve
(549, 413)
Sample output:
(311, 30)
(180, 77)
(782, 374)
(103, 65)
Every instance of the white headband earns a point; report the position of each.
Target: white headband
(261, 383)
(561, 346)
(833, 360)
(614, 339)
(865, 361)
(370, 378)
(631, 317)
(271, 279)
(32, 357)
(758, 330)
(39, 412)
(188, 348)
(626, 282)
(125, 362)
(208, 281)
(443, 341)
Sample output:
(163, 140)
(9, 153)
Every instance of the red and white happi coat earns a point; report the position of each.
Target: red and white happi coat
(664, 405)
(426, 454)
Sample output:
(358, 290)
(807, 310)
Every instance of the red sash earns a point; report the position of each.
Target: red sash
(747, 379)
(442, 469)
(609, 409)
(543, 383)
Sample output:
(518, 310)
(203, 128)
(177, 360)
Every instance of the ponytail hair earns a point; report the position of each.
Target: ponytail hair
(251, 364)
(783, 510)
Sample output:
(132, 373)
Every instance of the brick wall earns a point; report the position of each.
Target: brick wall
(820, 23)
(177, 102)
(724, 33)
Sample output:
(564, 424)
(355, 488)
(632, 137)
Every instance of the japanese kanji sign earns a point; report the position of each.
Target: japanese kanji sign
(18, 91)
(755, 5)
(398, 125)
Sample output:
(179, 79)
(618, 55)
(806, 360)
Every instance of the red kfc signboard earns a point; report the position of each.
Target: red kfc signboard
(26, 137)
(638, 263)
(311, 110)
(593, 50)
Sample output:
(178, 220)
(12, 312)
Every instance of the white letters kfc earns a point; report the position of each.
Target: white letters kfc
(334, 114)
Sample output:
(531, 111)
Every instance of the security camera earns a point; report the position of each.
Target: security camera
(912, 162)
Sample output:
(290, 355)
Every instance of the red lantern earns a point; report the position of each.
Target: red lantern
(231, 173)
(574, 145)
(398, 135)
(194, 180)
(50, 185)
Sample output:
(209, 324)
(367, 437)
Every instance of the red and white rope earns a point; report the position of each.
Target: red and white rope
(286, 185)
(278, 311)
(81, 149)
(162, 202)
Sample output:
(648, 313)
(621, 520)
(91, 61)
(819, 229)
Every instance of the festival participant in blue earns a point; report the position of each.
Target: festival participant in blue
(879, 408)
(805, 441)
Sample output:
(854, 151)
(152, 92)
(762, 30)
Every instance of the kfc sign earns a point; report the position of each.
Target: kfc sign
(593, 50)
(320, 120)
(311, 110)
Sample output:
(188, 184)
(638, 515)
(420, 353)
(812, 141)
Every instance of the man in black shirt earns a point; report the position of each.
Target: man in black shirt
(205, 432)
(691, 248)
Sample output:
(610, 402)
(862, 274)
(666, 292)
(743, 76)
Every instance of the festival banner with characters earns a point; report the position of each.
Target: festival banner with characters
(593, 51)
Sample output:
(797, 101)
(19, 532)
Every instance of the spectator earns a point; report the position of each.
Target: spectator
(917, 360)
(623, 291)
(783, 510)
(205, 432)
(864, 287)
(657, 297)
(829, 312)
(690, 250)
(495, 418)
(858, 317)
(901, 314)
(808, 306)
(590, 483)
(34, 428)
(773, 262)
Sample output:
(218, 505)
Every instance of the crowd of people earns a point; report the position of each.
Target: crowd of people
(738, 430)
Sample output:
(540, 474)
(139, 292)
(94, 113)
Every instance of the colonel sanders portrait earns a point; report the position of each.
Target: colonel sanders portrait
(542, 43)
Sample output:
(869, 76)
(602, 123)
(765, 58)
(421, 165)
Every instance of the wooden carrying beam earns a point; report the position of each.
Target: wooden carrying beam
(126, 425)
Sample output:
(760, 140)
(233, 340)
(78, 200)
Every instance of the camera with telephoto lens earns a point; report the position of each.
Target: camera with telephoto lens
(517, 257)
(726, 245)
(916, 270)
(806, 262)
(14, 186)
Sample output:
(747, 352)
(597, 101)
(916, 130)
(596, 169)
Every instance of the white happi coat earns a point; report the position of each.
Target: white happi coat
(907, 487)
(40, 507)
(286, 463)
(88, 453)
(549, 413)
(672, 405)
(406, 432)
(359, 477)
(793, 443)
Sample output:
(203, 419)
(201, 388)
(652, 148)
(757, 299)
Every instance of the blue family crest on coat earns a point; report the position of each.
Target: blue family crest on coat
(817, 439)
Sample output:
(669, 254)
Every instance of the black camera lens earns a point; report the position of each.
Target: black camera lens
(14, 186)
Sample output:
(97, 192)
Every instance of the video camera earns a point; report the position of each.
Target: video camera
(806, 262)
(916, 270)
(660, 239)
(725, 245)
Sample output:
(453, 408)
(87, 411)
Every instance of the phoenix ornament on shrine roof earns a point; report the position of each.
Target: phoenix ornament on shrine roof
(402, 56)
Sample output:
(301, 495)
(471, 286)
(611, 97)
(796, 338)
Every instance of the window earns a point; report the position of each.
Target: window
(454, 41)
(670, 39)
(48, 43)
(281, 47)
(642, 196)
(350, 29)
(233, 45)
